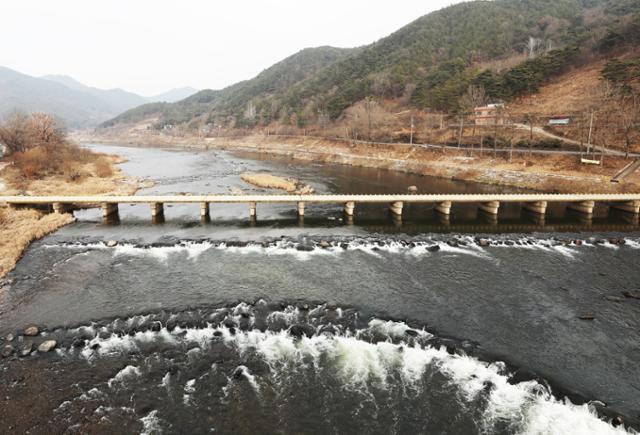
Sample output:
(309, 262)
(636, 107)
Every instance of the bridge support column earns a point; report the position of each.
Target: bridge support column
(157, 209)
(252, 210)
(583, 206)
(396, 208)
(204, 210)
(629, 206)
(490, 207)
(301, 209)
(539, 207)
(109, 209)
(348, 208)
(444, 208)
(60, 208)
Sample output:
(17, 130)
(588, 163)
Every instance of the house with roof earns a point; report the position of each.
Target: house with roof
(491, 114)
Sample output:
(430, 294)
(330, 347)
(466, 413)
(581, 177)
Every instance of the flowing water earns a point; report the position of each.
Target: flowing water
(323, 325)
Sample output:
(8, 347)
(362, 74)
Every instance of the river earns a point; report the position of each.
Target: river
(323, 325)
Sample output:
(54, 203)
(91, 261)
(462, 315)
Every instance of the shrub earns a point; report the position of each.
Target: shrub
(103, 168)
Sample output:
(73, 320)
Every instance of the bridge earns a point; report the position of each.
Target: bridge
(488, 203)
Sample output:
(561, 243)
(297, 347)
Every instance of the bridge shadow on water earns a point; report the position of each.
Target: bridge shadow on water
(415, 219)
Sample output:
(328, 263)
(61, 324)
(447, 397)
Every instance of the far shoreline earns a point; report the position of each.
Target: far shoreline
(542, 173)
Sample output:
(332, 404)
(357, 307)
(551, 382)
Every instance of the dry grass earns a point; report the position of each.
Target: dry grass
(18, 228)
(103, 168)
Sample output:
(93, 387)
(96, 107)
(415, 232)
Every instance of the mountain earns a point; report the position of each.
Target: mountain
(172, 95)
(236, 98)
(119, 100)
(78, 105)
(509, 47)
(20, 92)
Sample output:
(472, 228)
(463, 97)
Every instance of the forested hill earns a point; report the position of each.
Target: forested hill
(509, 47)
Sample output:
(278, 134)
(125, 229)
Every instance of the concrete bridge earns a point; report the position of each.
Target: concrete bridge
(488, 203)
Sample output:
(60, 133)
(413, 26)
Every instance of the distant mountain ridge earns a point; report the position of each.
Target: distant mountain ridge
(119, 99)
(78, 105)
(172, 95)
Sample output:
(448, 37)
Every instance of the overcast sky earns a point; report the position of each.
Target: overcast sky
(150, 46)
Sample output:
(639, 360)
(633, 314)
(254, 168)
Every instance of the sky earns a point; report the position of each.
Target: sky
(151, 46)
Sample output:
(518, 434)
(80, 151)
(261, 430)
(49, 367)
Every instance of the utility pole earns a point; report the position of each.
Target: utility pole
(411, 137)
(590, 131)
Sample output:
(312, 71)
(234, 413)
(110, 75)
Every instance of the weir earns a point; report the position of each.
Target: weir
(488, 203)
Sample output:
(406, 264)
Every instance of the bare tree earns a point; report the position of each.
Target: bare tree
(532, 46)
(45, 129)
(474, 97)
(15, 133)
(628, 112)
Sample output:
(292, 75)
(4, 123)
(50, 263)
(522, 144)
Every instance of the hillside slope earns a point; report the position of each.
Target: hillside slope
(235, 100)
(427, 64)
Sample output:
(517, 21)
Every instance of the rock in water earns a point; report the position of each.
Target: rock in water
(9, 337)
(112, 243)
(46, 346)
(7, 351)
(26, 348)
(412, 189)
(239, 374)
(630, 295)
(31, 331)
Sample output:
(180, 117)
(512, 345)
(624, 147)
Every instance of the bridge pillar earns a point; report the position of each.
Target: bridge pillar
(583, 206)
(109, 209)
(300, 208)
(396, 208)
(348, 208)
(539, 207)
(490, 207)
(157, 209)
(629, 206)
(204, 210)
(444, 208)
(60, 208)
(252, 210)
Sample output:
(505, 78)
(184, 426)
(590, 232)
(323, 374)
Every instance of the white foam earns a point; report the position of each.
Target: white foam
(472, 250)
(250, 378)
(189, 389)
(633, 244)
(562, 417)
(279, 248)
(359, 364)
(394, 329)
(566, 251)
(115, 344)
(165, 380)
(151, 424)
(162, 253)
(124, 375)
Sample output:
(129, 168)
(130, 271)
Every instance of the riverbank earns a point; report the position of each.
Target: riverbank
(20, 227)
(546, 173)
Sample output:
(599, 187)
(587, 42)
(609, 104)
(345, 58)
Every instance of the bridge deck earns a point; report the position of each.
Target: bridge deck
(309, 199)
